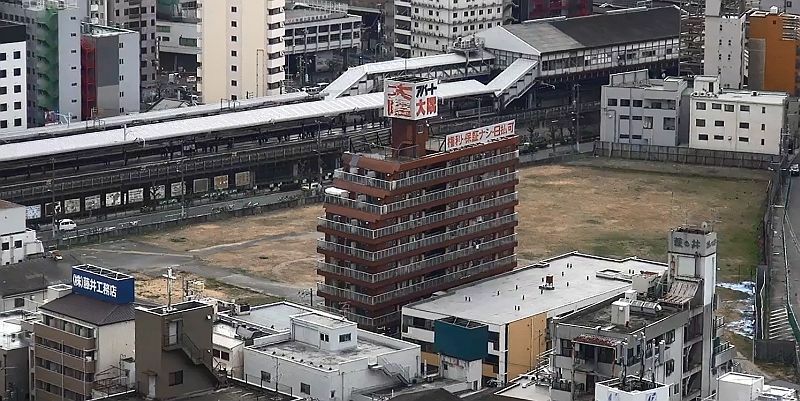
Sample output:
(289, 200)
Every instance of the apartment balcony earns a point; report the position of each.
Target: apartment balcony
(723, 353)
(719, 326)
(424, 221)
(276, 18)
(274, 63)
(423, 199)
(375, 256)
(68, 382)
(402, 3)
(416, 266)
(414, 288)
(63, 337)
(68, 360)
(426, 176)
(366, 321)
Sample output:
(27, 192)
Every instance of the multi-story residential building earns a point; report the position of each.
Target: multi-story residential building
(139, 16)
(309, 353)
(535, 9)
(725, 50)
(53, 57)
(242, 49)
(640, 110)
(93, 11)
(17, 241)
(13, 78)
(109, 88)
(174, 350)
(317, 36)
(178, 36)
(518, 307)
(773, 36)
(736, 386)
(665, 329)
(421, 216)
(82, 335)
(741, 121)
(14, 343)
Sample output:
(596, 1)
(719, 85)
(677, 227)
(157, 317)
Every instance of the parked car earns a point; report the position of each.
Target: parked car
(66, 225)
(794, 169)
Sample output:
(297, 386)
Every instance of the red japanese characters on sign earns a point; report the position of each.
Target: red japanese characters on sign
(411, 100)
(479, 135)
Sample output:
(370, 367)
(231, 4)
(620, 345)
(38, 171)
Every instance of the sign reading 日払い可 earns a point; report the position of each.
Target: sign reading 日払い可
(479, 135)
(102, 284)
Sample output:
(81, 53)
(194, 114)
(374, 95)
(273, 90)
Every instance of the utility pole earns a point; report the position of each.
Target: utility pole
(53, 194)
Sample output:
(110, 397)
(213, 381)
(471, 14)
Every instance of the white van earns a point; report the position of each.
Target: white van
(66, 225)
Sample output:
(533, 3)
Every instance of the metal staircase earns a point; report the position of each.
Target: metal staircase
(394, 370)
(201, 357)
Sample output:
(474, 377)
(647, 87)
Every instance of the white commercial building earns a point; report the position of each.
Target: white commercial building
(242, 49)
(431, 27)
(315, 35)
(725, 53)
(110, 88)
(13, 78)
(741, 121)
(743, 387)
(311, 353)
(53, 57)
(640, 110)
(17, 242)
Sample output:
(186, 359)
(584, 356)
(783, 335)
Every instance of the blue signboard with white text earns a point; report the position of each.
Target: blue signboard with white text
(102, 284)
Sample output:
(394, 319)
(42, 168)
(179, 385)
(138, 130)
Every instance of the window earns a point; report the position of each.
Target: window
(324, 337)
(233, 68)
(3, 123)
(637, 103)
(233, 38)
(700, 122)
(17, 72)
(763, 110)
(17, 122)
(3, 74)
(744, 125)
(624, 117)
(3, 106)
(762, 142)
(233, 24)
(225, 356)
(233, 9)
(744, 139)
(763, 126)
(233, 82)
(669, 367)
(729, 108)
(647, 123)
(624, 102)
(122, 94)
(744, 108)
(718, 137)
(566, 347)
(718, 123)
(656, 105)
(17, 55)
(175, 378)
(266, 377)
(233, 53)
(669, 123)
(17, 88)
(701, 106)
(703, 137)
(612, 102)
(19, 302)
(305, 388)
(2, 57)
(343, 338)
(636, 118)
(6, 246)
(716, 106)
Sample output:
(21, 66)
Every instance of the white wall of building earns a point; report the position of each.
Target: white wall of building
(30, 301)
(15, 248)
(179, 37)
(737, 121)
(245, 60)
(113, 342)
(725, 50)
(13, 104)
(69, 62)
(435, 25)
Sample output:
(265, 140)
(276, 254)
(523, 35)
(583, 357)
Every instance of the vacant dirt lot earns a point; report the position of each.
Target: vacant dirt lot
(598, 206)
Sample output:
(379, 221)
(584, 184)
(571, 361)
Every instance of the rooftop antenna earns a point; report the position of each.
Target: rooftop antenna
(170, 278)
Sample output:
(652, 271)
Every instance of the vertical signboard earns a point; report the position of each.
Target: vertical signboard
(411, 99)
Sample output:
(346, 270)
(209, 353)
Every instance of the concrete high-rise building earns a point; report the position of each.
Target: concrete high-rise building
(53, 57)
(13, 78)
(774, 51)
(242, 49)
(140, 16)
(109, 88)
(725, 51)
(421, 216)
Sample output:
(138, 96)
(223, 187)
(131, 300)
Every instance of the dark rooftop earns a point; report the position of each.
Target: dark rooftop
(236, 392)
(600, 316)
(599, 30)
(34, 275)
(90, 310)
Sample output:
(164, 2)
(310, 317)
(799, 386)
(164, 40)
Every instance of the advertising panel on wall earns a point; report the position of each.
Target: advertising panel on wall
(411, 98)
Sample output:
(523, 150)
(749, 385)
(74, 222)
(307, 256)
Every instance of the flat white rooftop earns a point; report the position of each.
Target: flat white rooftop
(740, 378)
(526, 389)
(328, 360)
(11, 328)
(769, 98)
(324, 320)
(494, 300)
(276, 316)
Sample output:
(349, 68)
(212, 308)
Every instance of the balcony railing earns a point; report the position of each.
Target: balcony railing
(416, 266)
(414, 288)
(420, 200)
(365, 320)
(426, 176)
(410, 246)
(430, 219)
